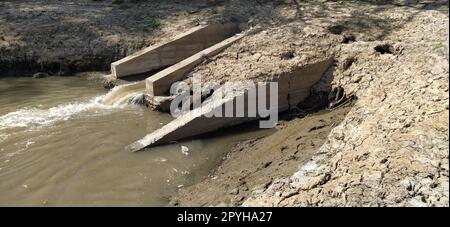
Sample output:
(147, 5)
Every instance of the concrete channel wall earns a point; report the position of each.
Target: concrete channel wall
(173, 51)
(160, 82)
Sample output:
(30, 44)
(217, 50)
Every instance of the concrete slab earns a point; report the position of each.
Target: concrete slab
(193, 123)
(173, 51)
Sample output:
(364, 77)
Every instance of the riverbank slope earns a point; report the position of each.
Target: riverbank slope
(390, 149)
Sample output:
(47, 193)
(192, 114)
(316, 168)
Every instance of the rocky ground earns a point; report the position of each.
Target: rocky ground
(391, 148)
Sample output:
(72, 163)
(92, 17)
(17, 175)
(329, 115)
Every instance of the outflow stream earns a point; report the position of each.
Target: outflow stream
(62, 140)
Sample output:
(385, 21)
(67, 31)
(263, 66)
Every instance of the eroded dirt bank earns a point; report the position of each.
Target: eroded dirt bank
(391, 148)
(254, 164)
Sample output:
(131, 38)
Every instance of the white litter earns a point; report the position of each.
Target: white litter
(184, 150)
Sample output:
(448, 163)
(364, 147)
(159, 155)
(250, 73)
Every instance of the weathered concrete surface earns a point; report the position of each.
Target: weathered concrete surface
(187, 125)
(171, 52)
(293, 88)
(160, 103)
(161, 81)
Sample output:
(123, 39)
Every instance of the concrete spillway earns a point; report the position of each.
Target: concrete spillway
(182, 54)
(292, 89)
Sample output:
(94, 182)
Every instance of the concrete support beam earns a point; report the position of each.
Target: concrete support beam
(188, 125)
(173, 51)
(160, 82)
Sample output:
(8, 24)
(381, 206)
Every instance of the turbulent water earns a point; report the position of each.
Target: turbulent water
(62, 140)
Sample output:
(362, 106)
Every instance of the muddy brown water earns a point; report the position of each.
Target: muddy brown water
(61, 141)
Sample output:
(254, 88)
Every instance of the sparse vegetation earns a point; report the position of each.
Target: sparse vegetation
(155, 24)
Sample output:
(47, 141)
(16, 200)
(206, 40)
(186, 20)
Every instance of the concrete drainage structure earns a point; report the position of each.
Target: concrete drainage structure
(185, 52)
(168, 53)
(293, 88)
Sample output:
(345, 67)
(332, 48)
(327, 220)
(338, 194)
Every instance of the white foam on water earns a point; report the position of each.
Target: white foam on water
(25, 117)
(125, 100)
(34, 116)
(123, 94)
